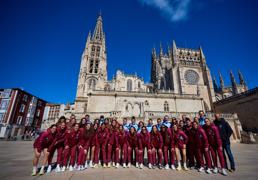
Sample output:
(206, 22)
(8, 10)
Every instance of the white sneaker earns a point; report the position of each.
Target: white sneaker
(95, 166)
(41, 172)
(150, 166)
(34, 171)
(208, 171)
(113, 164)
(179, 168)
(137, 165)
(58, 169)
(224, 172)
(90, 164)
(78, 168)
(104, 165)
(129, 165)
(70, 168)
(49, 168)
(124, 165)
(201, 169)
(215, 170)
(167, 167)
(141, 166)
(99, 163)
(117, 165)
(185, 167)
(63, 169)
(86, 165)
(173, 167)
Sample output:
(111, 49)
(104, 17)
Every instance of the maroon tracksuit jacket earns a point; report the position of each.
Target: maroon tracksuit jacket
(215, 142)
(156, 140)
(180, 139)
(58, 145)
(213, 135)
(45, 140)
(201, 143)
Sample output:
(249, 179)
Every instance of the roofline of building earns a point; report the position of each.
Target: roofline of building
(19, 89)
(242, 95)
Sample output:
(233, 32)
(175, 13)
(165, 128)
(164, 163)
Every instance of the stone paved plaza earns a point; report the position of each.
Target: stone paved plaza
(16, 159)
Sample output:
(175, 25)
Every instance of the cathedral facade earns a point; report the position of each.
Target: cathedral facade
(180, 83)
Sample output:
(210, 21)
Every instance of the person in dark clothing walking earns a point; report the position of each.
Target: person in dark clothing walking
(225, 133)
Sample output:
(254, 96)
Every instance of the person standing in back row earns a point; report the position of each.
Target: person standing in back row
(225, 133)
(201, 118)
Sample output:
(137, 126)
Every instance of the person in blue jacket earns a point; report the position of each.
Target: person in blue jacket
(201, 118)
(149, 125)
(126, 125)
(133, 123)
(159, 123)
(166, 122)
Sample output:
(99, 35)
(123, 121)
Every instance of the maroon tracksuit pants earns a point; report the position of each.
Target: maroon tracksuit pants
(156, 151)
(141, 155)
(82, 155)
(216, 151)
(166, 151)
(99, 147)
(190, 154)
(122, 149)
(70, 153)
(59, 159)
(200, 152)
(130, 153)
(112, 151)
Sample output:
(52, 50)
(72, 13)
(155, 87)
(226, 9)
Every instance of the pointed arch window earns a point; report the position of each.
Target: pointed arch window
(96, 66)
(166, 106)
(92, 84)
(91, 66)
(98, 51)
(139, 84)
(129, 85)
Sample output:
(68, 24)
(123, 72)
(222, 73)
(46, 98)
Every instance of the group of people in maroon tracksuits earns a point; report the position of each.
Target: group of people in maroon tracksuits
(176, 144)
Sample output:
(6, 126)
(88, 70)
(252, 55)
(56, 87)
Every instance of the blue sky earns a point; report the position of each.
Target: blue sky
(41, 42)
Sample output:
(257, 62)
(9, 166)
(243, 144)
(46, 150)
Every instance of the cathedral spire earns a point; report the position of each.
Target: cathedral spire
(241, 78)
(174, 45)
(169, 50)
(98, 34)
(215, 84)
(88, 39)
(233, 82)
(221, 81)
(161, 49)
(202, 56)
(153, 52)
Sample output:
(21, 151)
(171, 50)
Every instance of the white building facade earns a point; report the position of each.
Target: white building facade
(180, 83)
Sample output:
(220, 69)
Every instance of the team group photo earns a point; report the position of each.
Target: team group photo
(184, 144)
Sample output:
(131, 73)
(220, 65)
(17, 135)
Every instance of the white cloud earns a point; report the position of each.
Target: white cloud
(174, 10)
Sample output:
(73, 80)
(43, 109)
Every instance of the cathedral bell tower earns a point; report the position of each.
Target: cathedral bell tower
(93, 69)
